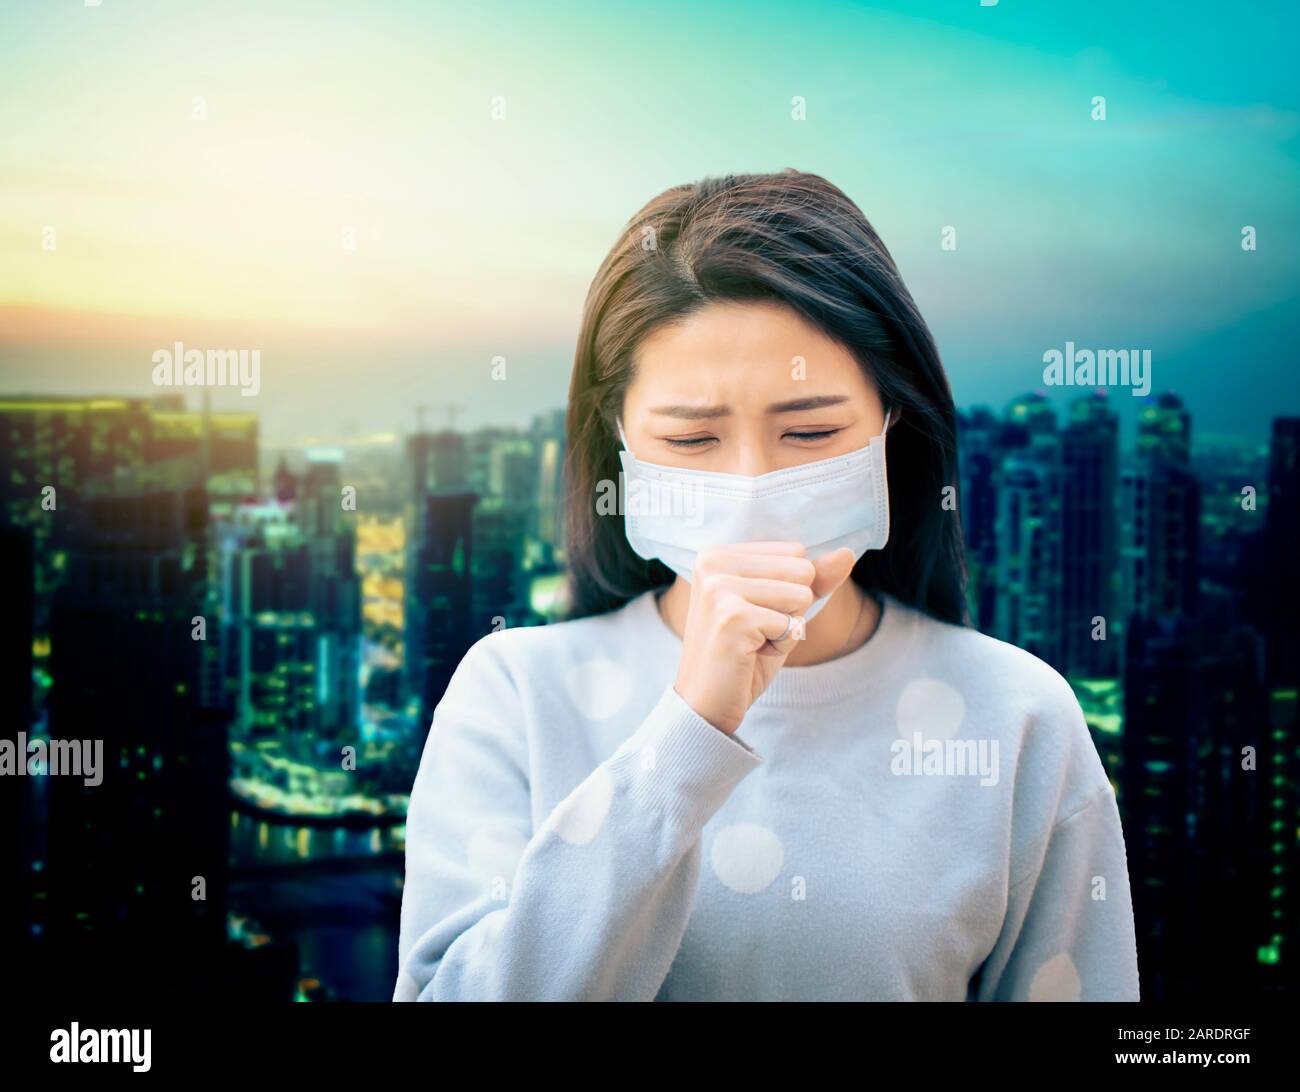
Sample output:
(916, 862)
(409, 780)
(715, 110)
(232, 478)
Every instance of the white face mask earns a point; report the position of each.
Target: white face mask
(671, 513)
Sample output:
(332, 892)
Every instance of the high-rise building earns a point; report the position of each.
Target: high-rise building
(1090, 539)
(438, 601)
(1029, 546)
(1165, 430)
(20, 854)
(1281, 536)
(437, 462)
(284, 485)
(319, 494)
(513, 473)
(224, 443)
(270, 629)
(1160, 506)
(549, 438)
(501, 580)
(980, 445)
(62, 443)
(138, 863)
(1281, 789)
(1195, 785)
(1231, 568)
(291, 597)
(1281, 617)
(1034, 414)
(505, 534)
(49, 449)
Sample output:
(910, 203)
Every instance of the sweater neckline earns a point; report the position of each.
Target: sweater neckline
(856, 674)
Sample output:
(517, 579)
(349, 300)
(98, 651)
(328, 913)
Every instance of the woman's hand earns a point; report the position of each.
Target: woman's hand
(740, 596)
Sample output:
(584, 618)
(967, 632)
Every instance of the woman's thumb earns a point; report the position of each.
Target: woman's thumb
(832, 570)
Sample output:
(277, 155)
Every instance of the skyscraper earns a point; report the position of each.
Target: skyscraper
(1160, 517)
(1029, 546)
(1197, 773)
(1165, 430)
(549, 438)
(138, 863)
(439, 522)
(291, 597)
(979, 438)
(1089, 538)
(1281, 537)
(19, 852)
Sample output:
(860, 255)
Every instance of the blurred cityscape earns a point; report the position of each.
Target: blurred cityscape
(260, 634)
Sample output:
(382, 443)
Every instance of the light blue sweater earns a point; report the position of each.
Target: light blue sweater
(925, 818)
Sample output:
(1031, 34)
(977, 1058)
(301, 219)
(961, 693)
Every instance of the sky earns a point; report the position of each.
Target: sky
(196, 172)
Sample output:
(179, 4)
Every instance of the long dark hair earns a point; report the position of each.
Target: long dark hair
(797, 239)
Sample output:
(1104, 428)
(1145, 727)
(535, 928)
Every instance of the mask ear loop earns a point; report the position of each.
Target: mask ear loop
(621, 435)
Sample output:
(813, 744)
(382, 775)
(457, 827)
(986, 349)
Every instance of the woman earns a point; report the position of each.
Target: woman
(766, 757)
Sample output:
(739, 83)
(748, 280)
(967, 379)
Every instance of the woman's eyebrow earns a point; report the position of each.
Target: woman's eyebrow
(816, 402)
(794, 405)
(692, 413)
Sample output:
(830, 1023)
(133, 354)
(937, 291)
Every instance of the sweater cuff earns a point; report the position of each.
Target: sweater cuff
(679, 765)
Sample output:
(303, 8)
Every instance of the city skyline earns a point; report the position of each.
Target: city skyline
(330, 625)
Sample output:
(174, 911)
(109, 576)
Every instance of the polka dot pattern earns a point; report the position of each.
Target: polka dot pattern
(599, 688)
(931, 707)
(1056, 980)
(746, 857)
(581, 814)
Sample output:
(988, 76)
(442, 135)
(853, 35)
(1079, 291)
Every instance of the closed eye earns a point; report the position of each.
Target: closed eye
(812, 435)
(804, 437)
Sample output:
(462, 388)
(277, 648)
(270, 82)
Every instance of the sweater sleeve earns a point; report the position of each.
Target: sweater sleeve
(593, 903)
(1068, 931)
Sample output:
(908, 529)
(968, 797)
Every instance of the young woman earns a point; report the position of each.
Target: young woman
(766, 757)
